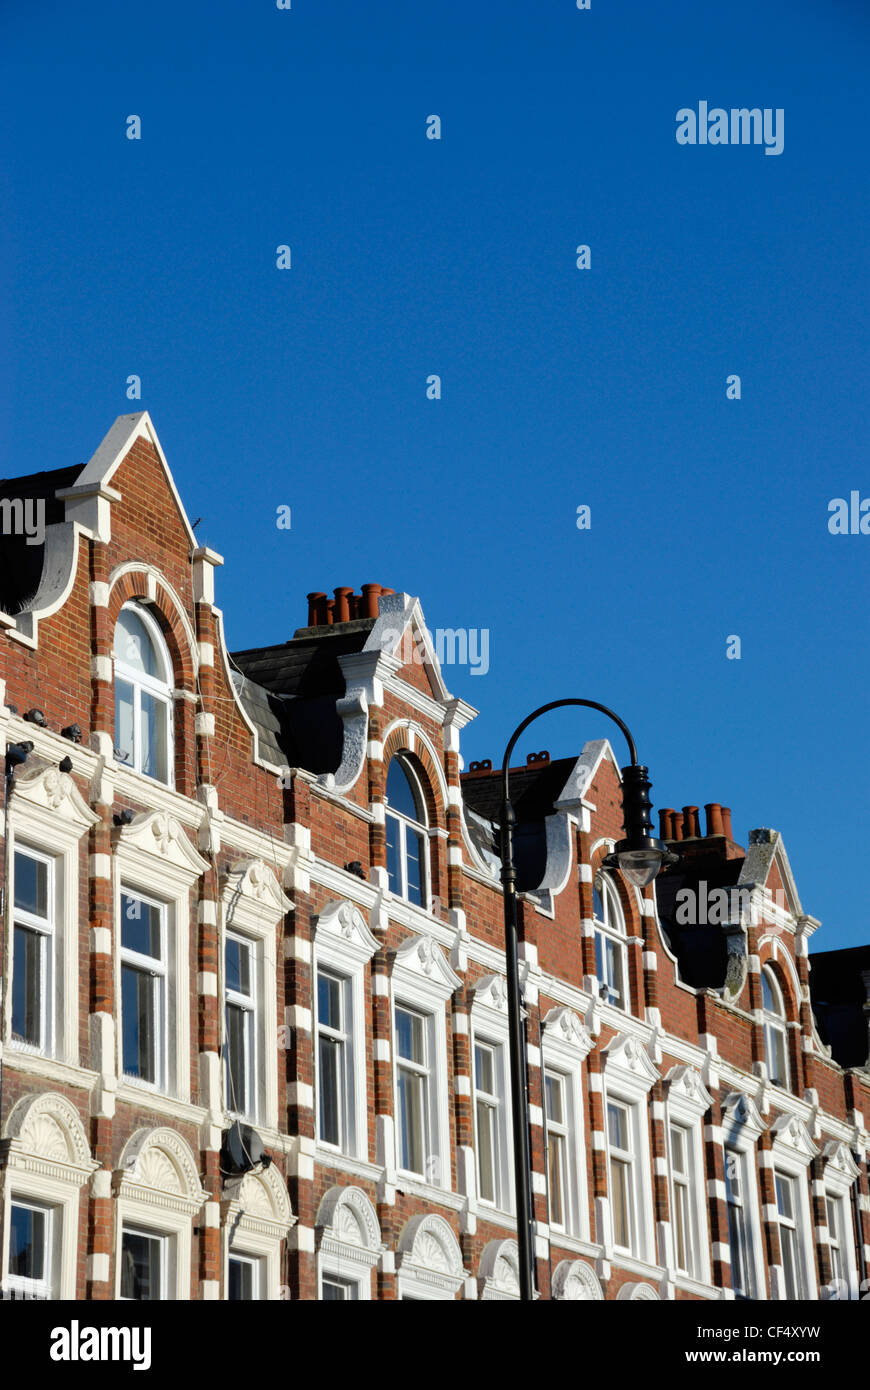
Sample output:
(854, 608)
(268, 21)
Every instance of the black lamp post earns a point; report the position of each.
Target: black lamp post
(639, 856)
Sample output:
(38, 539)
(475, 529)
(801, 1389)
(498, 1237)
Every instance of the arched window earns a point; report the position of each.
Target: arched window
(143, 695)
(610, 963)
(406, 834)
(775, 1046)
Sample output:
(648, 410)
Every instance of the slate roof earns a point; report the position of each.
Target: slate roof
(534, 790)
(838, 997)
(700, 949)
(289, 692)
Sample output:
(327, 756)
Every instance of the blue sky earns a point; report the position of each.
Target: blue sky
(560, 387)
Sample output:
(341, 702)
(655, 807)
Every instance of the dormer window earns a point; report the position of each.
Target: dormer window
(406, 833)
(775, 1045)
(610, 967)
(143, 695)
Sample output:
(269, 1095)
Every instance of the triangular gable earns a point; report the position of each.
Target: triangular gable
(400, 632)
(767, 866)
(584, 772)
(98, 472)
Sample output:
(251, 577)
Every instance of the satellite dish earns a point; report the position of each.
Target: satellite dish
(242, 1150)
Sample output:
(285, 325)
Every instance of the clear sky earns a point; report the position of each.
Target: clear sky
(561, 387)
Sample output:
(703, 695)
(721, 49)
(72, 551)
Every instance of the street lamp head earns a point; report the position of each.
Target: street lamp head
(640, 855)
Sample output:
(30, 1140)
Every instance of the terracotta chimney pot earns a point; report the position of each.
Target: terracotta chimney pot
(691, 825)
(714, 818)
(341, 612)
(369, 601)
(726, 822)
(315, 609)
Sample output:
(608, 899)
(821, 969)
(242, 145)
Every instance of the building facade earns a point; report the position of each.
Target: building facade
(254, 1027)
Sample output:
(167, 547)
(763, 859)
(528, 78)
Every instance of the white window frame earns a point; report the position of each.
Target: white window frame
(793, 1150)
(610, 930)
(45, 929)
(774, 1023)
(251, 1007)
(496, 1102)
(153, 857)
(840, 1173)
(339, 1281)
(163, 994)
(687, 1103)
(349, 1246)
(48, 818)
(39, 1173)
(253, 905)
(162, 691)
(255, 1264)
(166, 1247)
(628, 1078)
(742, 1127)
(423, 982)
(22, 1285)
(565, 1045)
(406, 826)
(155, 1210)
(256, 1218)
(343, 947)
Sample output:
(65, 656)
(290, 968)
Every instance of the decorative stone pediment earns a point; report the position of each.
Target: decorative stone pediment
(638, 1291)
(839, 1161)
(158, 1167)
(790, 1134)
(55, 794)
(421, 957)
(500, 1270)
(344, 923)
(46, 1132)
(252, 881)
(562, 1025)
(491, 992)
(259, 1203)
(686, 1088)
(574, 1281)
(626, 1056)
(428, 1244)
(347, 1215)
(741, 1114)
(160, 837)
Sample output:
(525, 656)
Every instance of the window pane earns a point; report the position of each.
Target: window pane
(412, 1121)
(409, 1036)
(555, 1111)
(133, 645)
(140, 1266)
(393, 871)
(486, 1151)
(237, 1058)
(241, 1279)
(767, 998)
(784, 1197)
(620, 1178)
(139, 1023)
(31, 885)
(789, 1261)
(598, 907)
(617, 1126)
(681, 1227)
(678, 1149)
(140, 927)
(153, 728)
(556, 1144)
(400, 794)
(329, 1001)
(238, 966)
(413, 865)
(330, 1090)
(484, 1069)
(27, 985)
(124, 722)
(335, 1290)
(27, 1242)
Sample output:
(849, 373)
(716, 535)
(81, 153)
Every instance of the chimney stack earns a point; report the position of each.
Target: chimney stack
(714, 818)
